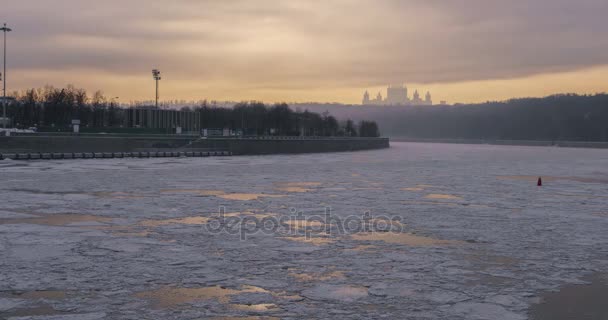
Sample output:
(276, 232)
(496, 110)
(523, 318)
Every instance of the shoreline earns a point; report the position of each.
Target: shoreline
(39, 145)
(530, 143)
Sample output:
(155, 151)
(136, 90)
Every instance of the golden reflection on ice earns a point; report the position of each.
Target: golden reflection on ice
(310, 277)
(201, 192)
(187, 220)
(255, 214)
(248, 196)
(294, 189)
(305, 223)
(255, 307)
(412, 189)
(350, 291)
(418, 188)
(224, 195)
(168, 297)
(437, 196)
(199, 220)
(317, 241)
(297, 187)
(288, 297)
(407, 239)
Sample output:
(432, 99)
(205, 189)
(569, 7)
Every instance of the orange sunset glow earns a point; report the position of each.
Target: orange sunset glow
(301, 50)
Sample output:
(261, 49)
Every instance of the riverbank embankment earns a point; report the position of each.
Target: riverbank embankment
(101, 143)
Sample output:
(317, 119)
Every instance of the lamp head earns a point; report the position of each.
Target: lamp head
(156, 74)
(6, 29)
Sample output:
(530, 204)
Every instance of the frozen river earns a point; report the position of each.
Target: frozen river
(471, 235)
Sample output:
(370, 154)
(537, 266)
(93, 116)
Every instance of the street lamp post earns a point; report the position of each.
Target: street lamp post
(157, 77)
(4, 29)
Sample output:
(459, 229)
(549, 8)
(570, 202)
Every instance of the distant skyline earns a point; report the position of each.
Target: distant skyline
(310, 50)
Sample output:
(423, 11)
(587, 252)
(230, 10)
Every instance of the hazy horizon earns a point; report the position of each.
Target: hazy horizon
(310, 51)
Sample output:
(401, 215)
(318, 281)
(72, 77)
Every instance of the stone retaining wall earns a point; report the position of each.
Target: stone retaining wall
(36, 144)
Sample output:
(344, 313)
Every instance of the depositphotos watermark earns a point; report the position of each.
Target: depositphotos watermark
(298, 223)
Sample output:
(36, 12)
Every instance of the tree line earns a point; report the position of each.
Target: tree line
(566, 117)
(54, 109)
(562, 117)
(57, 107)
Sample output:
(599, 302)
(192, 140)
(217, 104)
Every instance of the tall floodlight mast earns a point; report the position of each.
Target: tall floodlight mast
(4, 29)
(157, 77)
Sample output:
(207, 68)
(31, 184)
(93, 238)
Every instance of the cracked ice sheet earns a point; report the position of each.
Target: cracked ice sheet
(514, 240)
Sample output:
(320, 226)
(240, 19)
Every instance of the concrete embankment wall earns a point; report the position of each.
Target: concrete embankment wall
(238, 146)
(276, 146)
(98, 143)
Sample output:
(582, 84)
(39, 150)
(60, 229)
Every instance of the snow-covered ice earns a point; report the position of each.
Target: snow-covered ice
(138, 239)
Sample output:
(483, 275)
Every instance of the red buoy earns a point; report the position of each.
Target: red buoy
(540, 182)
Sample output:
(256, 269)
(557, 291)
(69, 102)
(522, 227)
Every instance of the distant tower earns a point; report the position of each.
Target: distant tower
(379, 98)
(427, 99)
(396, 95)
(366, 98)
(416, 96)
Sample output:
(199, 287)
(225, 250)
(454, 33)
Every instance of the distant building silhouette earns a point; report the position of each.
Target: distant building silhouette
(397, 95)
(427, 100)
(366, 100)
(378, 98)
(416, 100)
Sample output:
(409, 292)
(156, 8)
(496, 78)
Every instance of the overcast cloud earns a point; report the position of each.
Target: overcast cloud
(257, 46)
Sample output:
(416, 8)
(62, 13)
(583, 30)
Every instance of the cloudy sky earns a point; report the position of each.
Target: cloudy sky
(310, 50)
